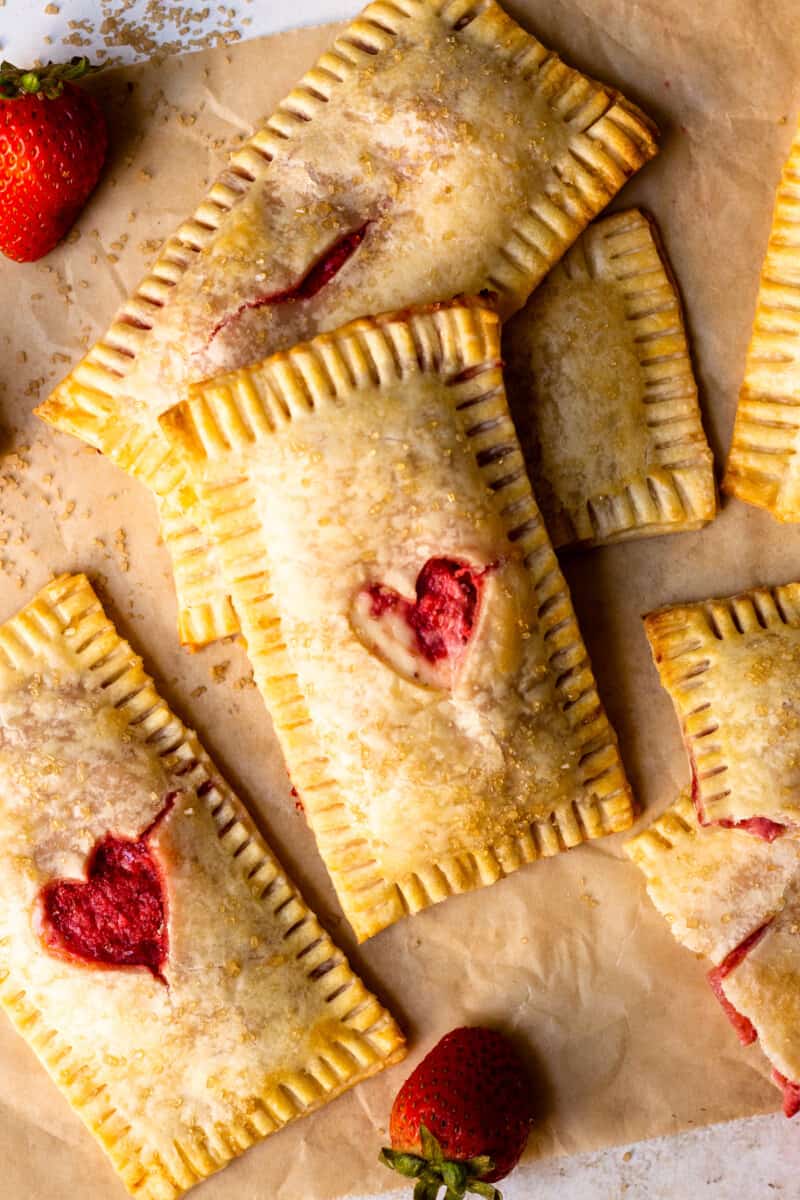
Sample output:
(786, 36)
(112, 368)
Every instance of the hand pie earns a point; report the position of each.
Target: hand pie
(760, 985)
(713, 885)
(436, 149)
(732, 669)
(763, 466)
(602, 391)
(152, 952)
(735, 899)
(404, 611)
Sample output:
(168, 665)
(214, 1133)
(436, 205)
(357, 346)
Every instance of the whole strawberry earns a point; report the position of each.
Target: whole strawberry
(53, 142)
(462, 1118)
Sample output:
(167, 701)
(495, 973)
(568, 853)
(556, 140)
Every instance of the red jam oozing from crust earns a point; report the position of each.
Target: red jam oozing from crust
(760, 827)
(791, 1093)
(315, 279)
(117, 917)
(743, 1026)
(444, 613)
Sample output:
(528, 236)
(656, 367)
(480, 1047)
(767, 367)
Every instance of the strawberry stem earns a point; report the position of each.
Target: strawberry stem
(42, 81)
(432, 1171)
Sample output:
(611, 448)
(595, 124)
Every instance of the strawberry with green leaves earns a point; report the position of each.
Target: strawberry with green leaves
(53, 142)
(462, 1118)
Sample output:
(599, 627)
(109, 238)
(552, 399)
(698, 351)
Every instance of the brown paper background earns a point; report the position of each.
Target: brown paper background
(620, 1028)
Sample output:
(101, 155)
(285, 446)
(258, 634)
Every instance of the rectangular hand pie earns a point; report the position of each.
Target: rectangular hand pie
(735, 899)
(763, 465)
(732, 669)
(405, 614)
(602, 390)
(436, 149)
(152, 952)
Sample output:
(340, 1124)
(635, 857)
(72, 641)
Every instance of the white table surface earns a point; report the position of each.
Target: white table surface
(744, 1160)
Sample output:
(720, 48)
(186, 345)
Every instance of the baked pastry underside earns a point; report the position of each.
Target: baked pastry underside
(734, 898)
(407, 620)
(603, 393)
(152, 951)
(731, 669)
(436, 149)
(763, 461)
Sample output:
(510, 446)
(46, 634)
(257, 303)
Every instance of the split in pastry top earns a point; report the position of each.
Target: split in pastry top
(763, 464)
(430, 152)
(152, 952)
(603, 393)
(403, 608)
(732, 668)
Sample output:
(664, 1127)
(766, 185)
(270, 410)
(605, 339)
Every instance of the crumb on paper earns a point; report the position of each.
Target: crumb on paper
(51, 10)
(589, 899)
(121, 547)
(219, 671)
(198, 691)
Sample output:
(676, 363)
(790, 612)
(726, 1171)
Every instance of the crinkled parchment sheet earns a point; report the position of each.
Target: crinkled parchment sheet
(622, 1031)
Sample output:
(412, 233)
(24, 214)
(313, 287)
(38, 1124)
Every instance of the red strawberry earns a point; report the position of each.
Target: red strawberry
(461, 1119)
(53, 142)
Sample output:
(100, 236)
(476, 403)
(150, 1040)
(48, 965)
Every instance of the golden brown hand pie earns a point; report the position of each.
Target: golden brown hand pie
(763, 462)
(761, 984)
(735, 898)
(713, 885)
(152, 952)
(732, 668)
(405, 614)
(602, 391)
(435, 149)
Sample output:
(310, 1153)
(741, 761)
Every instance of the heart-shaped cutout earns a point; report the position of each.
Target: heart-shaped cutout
(424, 639)
(117, 916)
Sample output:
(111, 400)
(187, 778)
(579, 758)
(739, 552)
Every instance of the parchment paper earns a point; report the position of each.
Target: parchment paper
(620, 1028)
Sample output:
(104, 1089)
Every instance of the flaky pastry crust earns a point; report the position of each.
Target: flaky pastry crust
(255, 1017)
(436, 149)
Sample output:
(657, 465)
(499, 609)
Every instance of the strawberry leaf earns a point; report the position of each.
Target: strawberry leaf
(48, 80)
(455, 1176)
(427, 1188)
(478, 1167)
(430, 1145)
(410, 1165)
(487, 1190)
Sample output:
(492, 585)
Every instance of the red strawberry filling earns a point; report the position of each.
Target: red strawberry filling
(117, 916)
(444, 612)
(743, 1026)
(760, 827)
(315, 279)
(791, 1094)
